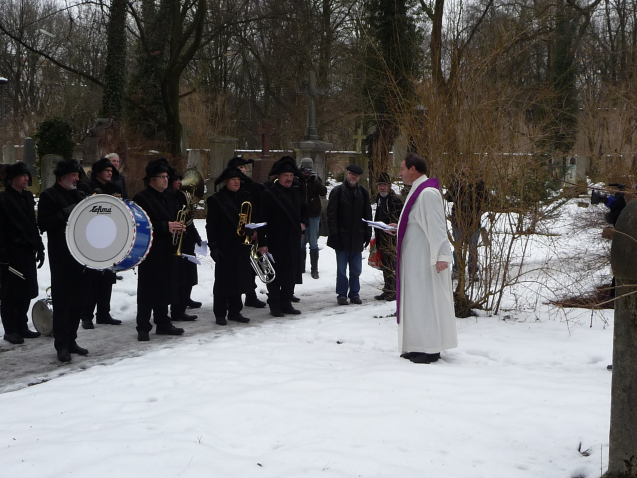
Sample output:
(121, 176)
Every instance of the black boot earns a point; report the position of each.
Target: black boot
(303, 259)
(314, 255)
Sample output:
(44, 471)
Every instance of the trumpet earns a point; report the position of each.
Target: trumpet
(178, 236)
(245, 217)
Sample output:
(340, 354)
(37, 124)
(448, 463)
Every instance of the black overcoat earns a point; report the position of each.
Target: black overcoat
(346, 209)
(388, 210)
(119, 180)
(283, 211)
(233, 272)
(19, 243)
(157, 284)
(69, 284)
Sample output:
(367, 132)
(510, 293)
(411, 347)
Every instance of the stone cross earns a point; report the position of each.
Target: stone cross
(312, 91)
(359, 137)
(265, 130)
(622, 457)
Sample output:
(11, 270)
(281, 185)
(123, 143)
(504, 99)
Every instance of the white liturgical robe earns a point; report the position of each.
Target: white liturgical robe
(426, 313)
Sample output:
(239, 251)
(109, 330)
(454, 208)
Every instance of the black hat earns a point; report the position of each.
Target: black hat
(173, 175)
(239, 161)
(15, 170)
(66, 167)
(383, 178)
(230, 173)
(355, 168)
(155, 167)
(100, 165)
(287, 164)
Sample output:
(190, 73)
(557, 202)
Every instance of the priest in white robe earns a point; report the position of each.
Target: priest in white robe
(425, 311)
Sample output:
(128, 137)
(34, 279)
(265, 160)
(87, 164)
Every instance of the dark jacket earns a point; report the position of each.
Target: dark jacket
(346, 209)
(119, 180)
(233, 272)
(157, 284)
(388, 211)
(312, 188)
(469, 199)
(69, 284)
(283, 211)
(106, 188)
(20, 241)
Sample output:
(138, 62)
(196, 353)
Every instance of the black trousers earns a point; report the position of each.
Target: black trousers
(227, 304)
(101, 291)
(160, 317)
(280, 292)
(177, 310)
(65, 324)
(389, 269)
(14, 315)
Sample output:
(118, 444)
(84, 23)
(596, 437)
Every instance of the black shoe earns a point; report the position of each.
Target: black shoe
(410, 355)
(29, 334)
(14, 338)
(143, 336)
(314, 274)
(221, 321)
(290, 310)
(380, 297)
(169, 330)
(76, 349)
(356, 300)
(119, 277)
(193, 304)
(295, 299)
(107, 321)
(342, 301)
(425, 358)
(87, 324)
(64, 355)
(390, 297)
(239, 318)
(184, 317)
(276, 313)
(253, 301)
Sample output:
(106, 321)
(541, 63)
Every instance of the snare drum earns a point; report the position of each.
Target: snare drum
(42, 314)
(105, 232)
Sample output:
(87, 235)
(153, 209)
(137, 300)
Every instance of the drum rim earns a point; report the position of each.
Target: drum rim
(48, 305)
(76, 212)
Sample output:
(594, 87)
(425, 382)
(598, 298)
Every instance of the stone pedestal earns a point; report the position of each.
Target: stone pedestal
(47, 166)
(622, 460)
(9, 154)
(313, 149)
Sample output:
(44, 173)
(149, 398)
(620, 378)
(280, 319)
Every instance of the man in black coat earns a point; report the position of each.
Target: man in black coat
(186, 270)
(118, 178)
(312, 188)
(255, 190)
(286, 217)
(69, 289)
(101, 282)
(156, 283)
(348, 205)
(388, 208)
(20, 248)
(233, 273)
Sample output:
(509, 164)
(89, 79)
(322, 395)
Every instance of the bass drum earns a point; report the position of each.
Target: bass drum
(105, 232)
(42, 315)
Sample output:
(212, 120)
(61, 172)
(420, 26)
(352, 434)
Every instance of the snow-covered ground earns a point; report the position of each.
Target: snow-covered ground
(325, 394)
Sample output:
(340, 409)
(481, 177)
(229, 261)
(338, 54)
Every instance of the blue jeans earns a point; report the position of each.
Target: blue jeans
(311, 234)
(473, 249)
(355, 262)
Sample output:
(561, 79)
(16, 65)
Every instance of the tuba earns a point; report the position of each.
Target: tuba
(192, 187)
(262, 265)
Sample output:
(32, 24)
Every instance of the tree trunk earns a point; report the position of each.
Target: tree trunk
(115, 73)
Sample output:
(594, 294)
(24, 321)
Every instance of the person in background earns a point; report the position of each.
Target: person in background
(21, 249)
(388, 208)
(312, 188)
(118, 178)
(348, 205)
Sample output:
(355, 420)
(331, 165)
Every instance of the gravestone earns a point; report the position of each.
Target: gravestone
(103, 138)
(262, 166)
(9, 153)
(622, 458)
(221, 151)
(47, 166)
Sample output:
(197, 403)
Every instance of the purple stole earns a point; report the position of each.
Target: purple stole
(402, 227)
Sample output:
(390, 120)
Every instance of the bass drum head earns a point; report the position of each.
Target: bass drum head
(100, 231)
(42, 315)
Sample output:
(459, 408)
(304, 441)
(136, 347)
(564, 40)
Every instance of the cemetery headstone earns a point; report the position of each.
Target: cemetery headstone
(221, 151)
(47, 166)
(9, 153)
(103, 138)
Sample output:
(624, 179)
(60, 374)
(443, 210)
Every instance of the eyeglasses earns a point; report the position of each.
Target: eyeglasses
(162, 177)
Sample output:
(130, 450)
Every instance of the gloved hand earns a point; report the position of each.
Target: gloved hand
(40, 258)
(216, 254)
(68, 209)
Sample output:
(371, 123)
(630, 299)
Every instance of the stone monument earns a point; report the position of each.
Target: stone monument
(221, 151)
(103, 138)
(261, 167)
(311, 146)
(622, 458)
(47, 166)
(9, 153)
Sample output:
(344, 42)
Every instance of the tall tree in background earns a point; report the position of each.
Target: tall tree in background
(115, 73)
(391, 65)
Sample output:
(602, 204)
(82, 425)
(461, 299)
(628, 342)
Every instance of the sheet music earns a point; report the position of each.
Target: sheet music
(254, 225)
(380, 225)
(203, 249)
